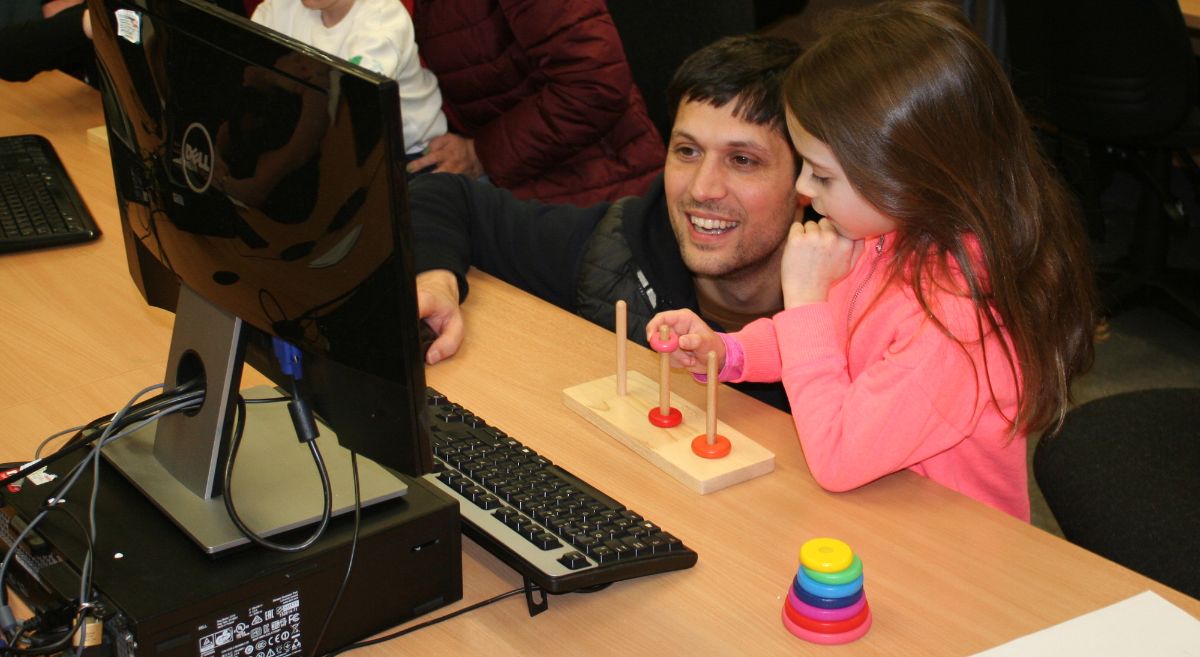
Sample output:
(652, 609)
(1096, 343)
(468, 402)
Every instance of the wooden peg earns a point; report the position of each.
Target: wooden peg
(622, 329)
(710, 444)
(664, 343)
(664, 373)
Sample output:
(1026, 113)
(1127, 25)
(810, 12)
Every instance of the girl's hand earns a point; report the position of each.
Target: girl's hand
(815, 257)
(696, 339)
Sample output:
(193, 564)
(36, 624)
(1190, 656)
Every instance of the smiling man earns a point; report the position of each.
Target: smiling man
(708, 235)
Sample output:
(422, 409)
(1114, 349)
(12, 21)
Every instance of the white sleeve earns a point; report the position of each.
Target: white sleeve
(383, 42)
(265, 14)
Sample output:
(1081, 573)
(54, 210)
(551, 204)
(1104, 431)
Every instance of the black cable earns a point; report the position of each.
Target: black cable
(421, 626)
(117, 427)
(337, 599)
(93, 429)
(326, 511)
(58, 644)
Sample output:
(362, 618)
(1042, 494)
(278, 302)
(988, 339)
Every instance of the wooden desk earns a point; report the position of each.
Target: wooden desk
(1191, 13)
(944, 574)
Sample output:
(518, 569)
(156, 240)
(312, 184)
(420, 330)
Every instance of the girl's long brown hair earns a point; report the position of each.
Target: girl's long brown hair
(925, 125)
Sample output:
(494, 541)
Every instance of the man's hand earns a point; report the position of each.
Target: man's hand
(450, 154)
(437, 304)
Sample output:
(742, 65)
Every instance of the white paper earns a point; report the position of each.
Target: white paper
(1145, 624)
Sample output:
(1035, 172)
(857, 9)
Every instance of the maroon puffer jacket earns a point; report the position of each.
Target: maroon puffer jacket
(544, 89)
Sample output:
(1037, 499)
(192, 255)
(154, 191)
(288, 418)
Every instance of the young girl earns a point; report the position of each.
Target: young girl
(939, 310)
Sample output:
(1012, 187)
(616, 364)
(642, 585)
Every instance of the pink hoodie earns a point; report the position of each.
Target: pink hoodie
(895, 392)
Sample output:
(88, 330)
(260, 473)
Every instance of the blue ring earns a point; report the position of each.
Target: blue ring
(822, 602)
(828, 590)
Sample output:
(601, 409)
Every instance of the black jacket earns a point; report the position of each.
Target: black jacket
(58, 42)
(582, 260)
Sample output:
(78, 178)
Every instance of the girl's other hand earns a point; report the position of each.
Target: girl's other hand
(696, 339)
(815, 257)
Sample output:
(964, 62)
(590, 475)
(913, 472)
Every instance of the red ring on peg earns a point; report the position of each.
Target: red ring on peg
(671, 419)
(719, 449)
(665, 346)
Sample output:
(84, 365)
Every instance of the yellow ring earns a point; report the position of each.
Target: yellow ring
(826, 555)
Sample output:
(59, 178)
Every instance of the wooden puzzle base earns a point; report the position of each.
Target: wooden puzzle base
(625, 418)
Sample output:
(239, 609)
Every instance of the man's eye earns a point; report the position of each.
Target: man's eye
(744, 161)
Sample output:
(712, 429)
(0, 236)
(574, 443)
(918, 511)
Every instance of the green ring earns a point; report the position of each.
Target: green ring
(846, 576)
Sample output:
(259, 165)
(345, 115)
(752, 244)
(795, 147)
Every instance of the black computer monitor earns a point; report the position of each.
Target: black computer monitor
(262, 196)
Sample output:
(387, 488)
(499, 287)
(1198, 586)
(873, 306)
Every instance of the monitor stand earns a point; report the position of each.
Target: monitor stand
(275, 484)
(179, 461)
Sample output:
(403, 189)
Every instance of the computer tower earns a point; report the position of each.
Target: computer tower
(161, 596)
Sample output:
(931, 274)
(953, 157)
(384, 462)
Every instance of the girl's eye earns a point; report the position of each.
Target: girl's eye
(820, 180)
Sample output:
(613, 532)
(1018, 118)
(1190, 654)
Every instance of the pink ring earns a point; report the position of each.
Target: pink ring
(817, 613)
(826, 639)
(665, 346)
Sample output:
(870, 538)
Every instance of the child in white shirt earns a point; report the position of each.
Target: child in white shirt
(376, 35)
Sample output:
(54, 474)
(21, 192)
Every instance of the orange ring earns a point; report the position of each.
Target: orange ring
(719, 449)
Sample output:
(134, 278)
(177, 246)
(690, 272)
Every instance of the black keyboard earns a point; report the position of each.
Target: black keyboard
(39, 206)
(558, 531)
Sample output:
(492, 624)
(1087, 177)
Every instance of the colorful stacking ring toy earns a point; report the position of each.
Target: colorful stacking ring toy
(826, 603)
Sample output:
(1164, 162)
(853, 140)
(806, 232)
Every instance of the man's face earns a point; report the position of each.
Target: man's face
(729, 186)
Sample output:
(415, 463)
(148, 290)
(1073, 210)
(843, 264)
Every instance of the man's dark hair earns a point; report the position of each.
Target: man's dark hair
(747, 69)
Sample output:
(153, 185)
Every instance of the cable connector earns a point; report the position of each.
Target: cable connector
(302, 419)
(8, 621)
(289, 358)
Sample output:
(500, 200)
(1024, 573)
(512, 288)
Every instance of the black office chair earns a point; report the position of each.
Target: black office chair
(1116, 81)
(659, 34)
(1122, 479)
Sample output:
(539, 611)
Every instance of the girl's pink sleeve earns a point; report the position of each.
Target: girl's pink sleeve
(755, 350)
(920, 399)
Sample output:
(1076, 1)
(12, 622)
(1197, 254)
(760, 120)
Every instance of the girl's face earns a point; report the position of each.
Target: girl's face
(822, 180)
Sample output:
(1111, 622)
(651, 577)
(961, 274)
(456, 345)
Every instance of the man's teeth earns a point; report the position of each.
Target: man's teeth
(711, 225)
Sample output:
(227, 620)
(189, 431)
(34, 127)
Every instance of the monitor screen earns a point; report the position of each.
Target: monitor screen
(263, 180)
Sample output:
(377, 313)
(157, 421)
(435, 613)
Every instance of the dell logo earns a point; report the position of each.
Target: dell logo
(196, 160)
(196, 153)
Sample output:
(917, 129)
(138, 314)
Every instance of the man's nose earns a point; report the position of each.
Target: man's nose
(709, 180)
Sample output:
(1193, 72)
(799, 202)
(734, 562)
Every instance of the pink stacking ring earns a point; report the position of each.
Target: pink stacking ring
(828, 627)
(818, 613)
(665, 346)
(826, 639)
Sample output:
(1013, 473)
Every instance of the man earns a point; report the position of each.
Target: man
(708, 235)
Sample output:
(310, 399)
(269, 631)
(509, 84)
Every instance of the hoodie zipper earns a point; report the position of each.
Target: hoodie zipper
(863, 284)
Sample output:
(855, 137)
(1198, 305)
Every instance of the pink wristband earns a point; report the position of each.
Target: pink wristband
(734, 360)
